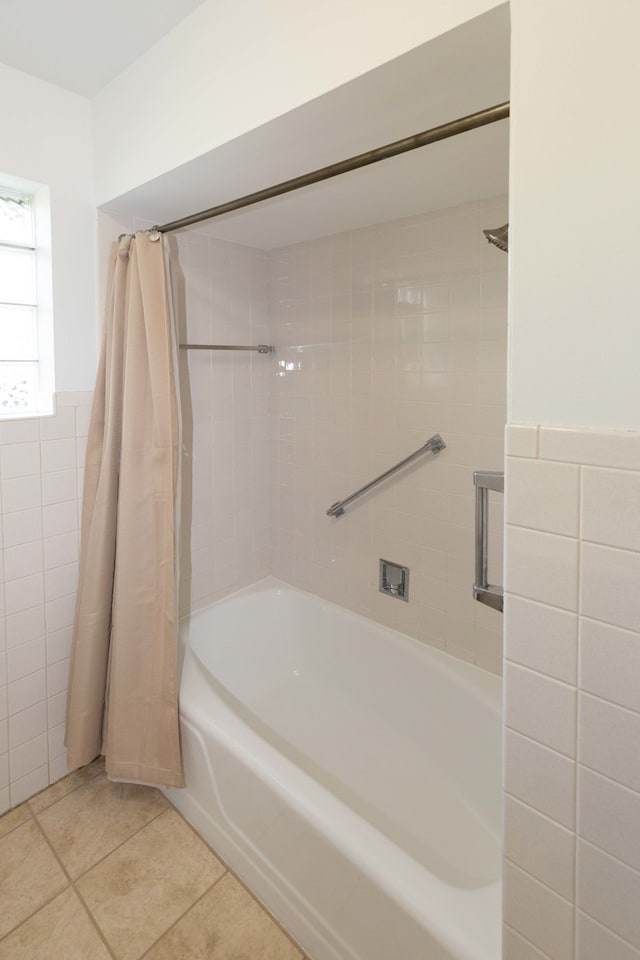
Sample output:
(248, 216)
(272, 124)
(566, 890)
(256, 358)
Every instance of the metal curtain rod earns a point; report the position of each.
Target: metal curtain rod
(434, 445)
(261, 347)
(442, 132)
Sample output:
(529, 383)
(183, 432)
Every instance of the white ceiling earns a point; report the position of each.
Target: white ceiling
(83, 44)
(456, 74)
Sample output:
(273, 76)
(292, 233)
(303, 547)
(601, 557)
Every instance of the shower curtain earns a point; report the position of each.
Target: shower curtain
(122, 695)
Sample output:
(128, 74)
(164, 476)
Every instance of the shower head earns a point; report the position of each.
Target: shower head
(498, 236)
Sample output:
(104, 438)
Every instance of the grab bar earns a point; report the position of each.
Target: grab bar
(483, 591)
(434, 444)
(261, 347)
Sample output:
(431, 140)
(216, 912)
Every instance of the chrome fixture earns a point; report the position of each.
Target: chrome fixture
(261, 347)
(394, 580)
(499, 236)
(433, 445)
(485, 480)
(442, 132)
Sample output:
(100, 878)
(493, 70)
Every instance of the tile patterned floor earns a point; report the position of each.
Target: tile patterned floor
(94, 870)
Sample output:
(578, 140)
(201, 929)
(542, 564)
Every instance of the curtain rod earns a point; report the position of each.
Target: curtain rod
(442, 132)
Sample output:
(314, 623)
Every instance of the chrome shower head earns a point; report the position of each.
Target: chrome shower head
(499, 236)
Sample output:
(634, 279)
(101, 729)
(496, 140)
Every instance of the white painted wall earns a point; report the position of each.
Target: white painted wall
(575, 200)
(234, 65)
(47, 138)
(575, 214)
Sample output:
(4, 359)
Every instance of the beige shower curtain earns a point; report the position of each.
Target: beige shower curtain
(122, 697)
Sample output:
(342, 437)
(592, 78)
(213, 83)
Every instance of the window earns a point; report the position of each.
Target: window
(25, 316)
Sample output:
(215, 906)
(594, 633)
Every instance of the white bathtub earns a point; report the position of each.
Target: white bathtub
(349, 775)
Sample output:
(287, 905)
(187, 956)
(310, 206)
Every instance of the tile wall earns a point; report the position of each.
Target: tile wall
(385, 336)
(222, 297)
(572, 695)
(41, 465)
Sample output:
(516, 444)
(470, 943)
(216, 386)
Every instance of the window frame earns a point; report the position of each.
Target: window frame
(41, 212)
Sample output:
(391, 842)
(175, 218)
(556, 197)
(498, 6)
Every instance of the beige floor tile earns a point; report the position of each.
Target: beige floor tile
(13, 818)
(227, 924)
(60, 931)
(29, 875)
(96, 818)
(144, 886)
(67, 785)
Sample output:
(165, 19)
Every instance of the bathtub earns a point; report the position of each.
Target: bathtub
(349, 775)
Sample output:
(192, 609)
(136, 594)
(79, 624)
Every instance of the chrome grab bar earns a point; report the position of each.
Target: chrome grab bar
(483, 591)
(434, 444)
(261, 347)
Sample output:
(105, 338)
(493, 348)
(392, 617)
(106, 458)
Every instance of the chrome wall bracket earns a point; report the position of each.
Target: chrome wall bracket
(483, 591)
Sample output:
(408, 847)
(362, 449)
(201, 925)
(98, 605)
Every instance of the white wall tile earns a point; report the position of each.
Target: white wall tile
(23, 560)
(541, 566)
(60, 581)
(57, 675)
(59, 486)
(591, 447)
(609, 892)
(83, 418)
(61, 550)
(541, 777)
(26, 692)
(609, 816)
(22, 527)
(387, 387)
(595, 942)
(32, 732)
(25, 626)
(58, 455)
(19, 431)
(607, 496)
(58, 644)
(27, 724)
(24, 593)
(58, 518)
(542, 495)
(610, 663)
(58, 767)
(25, 787)
(540, 846)
(539, 914)
(29, 756)
(608, 740)
(59, 613)
(541, 708)
(62, 424)
(20, 460)
(23, 493)
(542, 638)
(609, 585)
(25, 659)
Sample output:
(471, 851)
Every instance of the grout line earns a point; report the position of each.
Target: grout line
(70, 885)
(22, 822)
(526, 940)
(232, 873)
(134, 834)
(541, 883)
(182, 915)
(35, 813)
